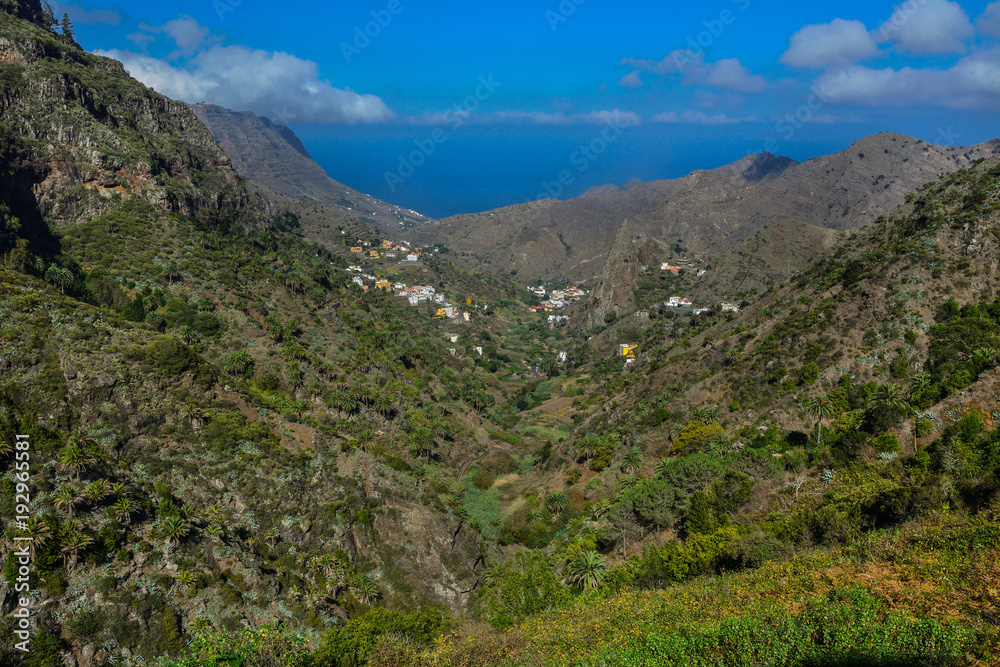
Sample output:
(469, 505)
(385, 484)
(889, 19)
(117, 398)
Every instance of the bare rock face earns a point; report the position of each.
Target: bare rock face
(614, 291)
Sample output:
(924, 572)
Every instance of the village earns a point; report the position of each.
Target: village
(557, 299)
(414, 294)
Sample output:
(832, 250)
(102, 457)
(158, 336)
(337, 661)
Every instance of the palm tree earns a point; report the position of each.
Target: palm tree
(888, 397)
(66, 498)
(6, 448)
(175, 529)
(364, 589)
(719, 443)
(238, 364)
(73, 459)
(632, 460)
(123, 510)
(918, 385)
(187, 334)
(589, 448)
(630, 481)
(366, 438)
(821, 407)
(73, 544)
(705, 415)
(586, 570)
(382, 403)
(557, 502)
(39, 532)
(675, 430)
(96, 490)
(662, 466)
(493, 574)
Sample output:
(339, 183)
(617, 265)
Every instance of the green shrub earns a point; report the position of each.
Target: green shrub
(170, 356)
(887, 442)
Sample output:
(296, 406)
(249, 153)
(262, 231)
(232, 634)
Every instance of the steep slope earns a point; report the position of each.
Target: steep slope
(273, 157)
(225, 428)
(614, 289)
(710, 211)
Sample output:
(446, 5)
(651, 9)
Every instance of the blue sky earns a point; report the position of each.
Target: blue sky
(367, 82)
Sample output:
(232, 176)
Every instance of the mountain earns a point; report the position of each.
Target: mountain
(245, 446)
(709, 212)
(273, 157)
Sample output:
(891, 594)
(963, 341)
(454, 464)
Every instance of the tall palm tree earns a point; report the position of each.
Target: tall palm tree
(73, 459)
(39, 532)
(890, 398)
(557, 502)
(822, 408)
(66, 498)
(73, 544)
(382, 403)
(632, 460)
(586, 570)
(123, 510)
(918, 384)
(238, 364)
(589, 448)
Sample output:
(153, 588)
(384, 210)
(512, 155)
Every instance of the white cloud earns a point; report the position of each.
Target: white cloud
(989, 22)
(928, 26)
(728, 73)
(835, 43)
(140, 39)
(972, 83)
(700, 118)
(671, 64)
(274, 84)
(187, 33)
(631, 80)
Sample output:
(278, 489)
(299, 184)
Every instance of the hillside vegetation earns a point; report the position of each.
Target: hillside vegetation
(240, 455)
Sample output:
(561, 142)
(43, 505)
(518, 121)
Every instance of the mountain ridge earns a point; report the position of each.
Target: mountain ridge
(709, 211)
(274, 157)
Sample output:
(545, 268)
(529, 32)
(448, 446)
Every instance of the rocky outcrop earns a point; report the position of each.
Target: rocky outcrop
(614, 291)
